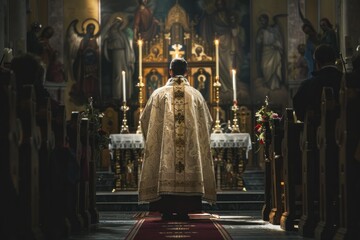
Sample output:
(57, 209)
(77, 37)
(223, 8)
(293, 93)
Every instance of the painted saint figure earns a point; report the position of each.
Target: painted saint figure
(225, 24)
(118, 49)
(145, 23)
(270, 52)
(84, 61)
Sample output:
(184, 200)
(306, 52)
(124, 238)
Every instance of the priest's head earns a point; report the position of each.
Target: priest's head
(178, 66)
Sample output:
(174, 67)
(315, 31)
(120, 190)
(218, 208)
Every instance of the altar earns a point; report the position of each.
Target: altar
(230, 154)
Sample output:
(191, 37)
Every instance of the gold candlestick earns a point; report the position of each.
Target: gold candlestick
(235, 126)
(217, 85)
(124, 126)
(140, 85)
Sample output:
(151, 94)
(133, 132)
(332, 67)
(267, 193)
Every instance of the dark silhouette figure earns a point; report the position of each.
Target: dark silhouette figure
(49, 56)
(308, 96)
(328, 35)
(33, 44)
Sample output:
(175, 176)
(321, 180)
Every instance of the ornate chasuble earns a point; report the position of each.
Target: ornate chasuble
(176, 125)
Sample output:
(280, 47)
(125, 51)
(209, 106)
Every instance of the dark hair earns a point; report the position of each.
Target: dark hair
(308, 25)
(324, 53)
(178, 66)
(327, 21)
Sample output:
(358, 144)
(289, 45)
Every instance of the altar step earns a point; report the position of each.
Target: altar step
(251, 199)
(227, 200)
(253, 180)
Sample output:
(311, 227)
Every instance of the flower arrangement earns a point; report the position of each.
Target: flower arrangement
(101, 139)
(263, 116)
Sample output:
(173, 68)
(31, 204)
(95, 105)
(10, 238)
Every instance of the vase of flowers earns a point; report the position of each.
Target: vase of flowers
(264, 121)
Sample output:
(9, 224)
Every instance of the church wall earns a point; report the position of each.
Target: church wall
(349, 30)
(59, 13)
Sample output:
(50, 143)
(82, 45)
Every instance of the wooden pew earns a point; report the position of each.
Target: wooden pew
(348, 140)
(10, 139)
(73, 175)
(291, 171)
(276, 161)
(310, 176)
(329, 167)
(29, 165)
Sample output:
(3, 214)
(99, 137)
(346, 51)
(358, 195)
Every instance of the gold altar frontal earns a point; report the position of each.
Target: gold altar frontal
(230, 154)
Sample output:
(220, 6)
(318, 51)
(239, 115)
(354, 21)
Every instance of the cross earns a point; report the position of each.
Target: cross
(180, 167)
(176, 53)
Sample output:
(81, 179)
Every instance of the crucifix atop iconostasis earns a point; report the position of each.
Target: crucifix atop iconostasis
(177, 52)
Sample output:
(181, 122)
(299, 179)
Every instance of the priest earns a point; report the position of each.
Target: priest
(178, 171)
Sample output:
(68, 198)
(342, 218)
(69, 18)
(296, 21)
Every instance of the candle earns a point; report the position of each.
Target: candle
(140, 57)
(234, 83)
(217, 56)
(123, 85)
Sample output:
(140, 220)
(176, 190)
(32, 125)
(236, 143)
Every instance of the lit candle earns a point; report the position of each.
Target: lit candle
(123, 85)
(140, 42)
(217, 56)
(234, 83)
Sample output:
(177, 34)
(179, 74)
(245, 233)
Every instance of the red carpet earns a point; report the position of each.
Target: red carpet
(199, 227)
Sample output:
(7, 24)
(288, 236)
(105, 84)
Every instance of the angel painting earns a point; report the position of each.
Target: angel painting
(117, 43)
(83, 60)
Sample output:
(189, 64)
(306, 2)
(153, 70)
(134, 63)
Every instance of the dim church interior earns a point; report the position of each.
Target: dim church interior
(80, 149)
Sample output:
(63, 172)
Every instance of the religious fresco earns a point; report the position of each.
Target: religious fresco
(83, 60)
(227, 20)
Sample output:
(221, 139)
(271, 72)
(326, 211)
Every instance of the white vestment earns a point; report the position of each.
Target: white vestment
(176, 124)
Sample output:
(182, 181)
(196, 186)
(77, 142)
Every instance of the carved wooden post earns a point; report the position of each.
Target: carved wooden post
(310, 176)
(95, 157)
(267, 205)
(10, 139)
(348, 140)
(291, 170)
(43, 119)
(276, 173)
(59, 191)
(29, 165)
(329, 167)
(84, 172)
(73, 212)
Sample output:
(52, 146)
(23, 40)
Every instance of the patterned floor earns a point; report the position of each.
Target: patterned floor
(240, 225)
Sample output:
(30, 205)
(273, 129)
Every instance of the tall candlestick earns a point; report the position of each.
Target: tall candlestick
(217, 56)
(123, 85)
(234, 83)
(140, 42)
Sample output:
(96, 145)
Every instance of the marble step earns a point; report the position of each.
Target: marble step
(227, 200)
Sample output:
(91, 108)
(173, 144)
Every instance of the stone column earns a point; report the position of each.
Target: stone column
(350, 32)
(2, 24)
(17, 31)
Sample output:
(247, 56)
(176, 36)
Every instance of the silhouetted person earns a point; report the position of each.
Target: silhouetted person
(312, 40)
(308, 96)
(33, 44)
(329, 35)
